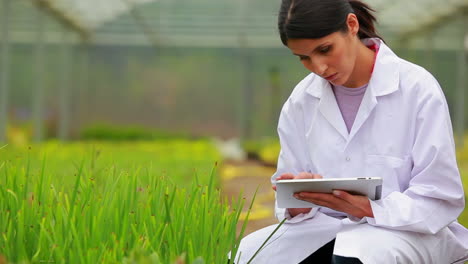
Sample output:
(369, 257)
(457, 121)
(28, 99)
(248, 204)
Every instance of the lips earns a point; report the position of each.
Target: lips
(331, 77)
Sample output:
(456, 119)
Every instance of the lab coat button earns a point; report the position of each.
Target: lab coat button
(348, 158)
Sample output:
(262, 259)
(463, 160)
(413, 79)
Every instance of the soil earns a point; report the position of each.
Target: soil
(244, 178)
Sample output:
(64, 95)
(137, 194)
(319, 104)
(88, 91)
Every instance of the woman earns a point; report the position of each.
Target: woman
(362, 112)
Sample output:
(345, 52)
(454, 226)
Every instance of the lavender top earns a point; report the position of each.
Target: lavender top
(349, 100)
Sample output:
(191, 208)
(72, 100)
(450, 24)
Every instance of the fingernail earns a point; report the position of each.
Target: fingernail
(336, 193)
(297, 196)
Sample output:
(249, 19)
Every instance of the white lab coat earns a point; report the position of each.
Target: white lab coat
(402, 133)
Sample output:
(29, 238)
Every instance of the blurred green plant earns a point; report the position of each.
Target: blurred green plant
(127, 133)
(179, 158)
(106, 209)
(269, 153)
(462, 159)
(265, 150)
(19, 134)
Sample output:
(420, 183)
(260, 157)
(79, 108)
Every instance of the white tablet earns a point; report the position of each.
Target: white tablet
(285, 189)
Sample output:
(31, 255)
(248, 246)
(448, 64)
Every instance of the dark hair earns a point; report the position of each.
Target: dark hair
(319, 18)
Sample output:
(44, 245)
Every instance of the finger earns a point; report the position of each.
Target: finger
(352, 199)
(319, 198)
(315, 195)
(316, 176)
(295, 211)
(285, 176)
(324, 199)
(273, 187)
(308, 175)
(304, 175)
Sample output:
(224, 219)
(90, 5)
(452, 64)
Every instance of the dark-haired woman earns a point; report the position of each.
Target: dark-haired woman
(362, 112)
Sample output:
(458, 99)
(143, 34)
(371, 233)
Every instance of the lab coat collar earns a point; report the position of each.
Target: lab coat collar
(385, 78)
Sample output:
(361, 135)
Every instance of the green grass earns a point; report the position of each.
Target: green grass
(104, 202)
(463, 219)
(115, 203)
(180, 159)
(462, 159)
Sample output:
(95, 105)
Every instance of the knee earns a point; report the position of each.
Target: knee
(377, 246)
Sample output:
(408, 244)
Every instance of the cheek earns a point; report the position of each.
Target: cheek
(344, 62)
(307, 65)
(338, 62)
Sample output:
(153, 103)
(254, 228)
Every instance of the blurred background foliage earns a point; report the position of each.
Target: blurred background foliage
(201, 68)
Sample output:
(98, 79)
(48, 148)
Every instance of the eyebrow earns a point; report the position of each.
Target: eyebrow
(317, 48)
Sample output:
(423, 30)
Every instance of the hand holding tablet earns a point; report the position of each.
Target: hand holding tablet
(367, 186)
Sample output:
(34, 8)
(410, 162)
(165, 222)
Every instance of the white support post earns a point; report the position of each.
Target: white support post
(65, 86)
(4, 67)
(84, 83)
(403, 46)
(429, 56)
(39, 72)
(461, 82)
(246, 71)
(248, 95)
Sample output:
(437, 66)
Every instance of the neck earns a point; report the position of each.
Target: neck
(362, 68)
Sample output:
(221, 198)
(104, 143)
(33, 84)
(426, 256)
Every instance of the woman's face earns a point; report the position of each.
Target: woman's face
(332, 57)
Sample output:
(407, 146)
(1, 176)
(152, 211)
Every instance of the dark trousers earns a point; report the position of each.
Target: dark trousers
(325, 255)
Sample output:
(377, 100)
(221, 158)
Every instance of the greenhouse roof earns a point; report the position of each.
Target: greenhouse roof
(87, 15)
(405, 17)
(211, 22)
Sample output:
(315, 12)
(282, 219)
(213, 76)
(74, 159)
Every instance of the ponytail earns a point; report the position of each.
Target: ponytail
(314, 19)
(366, 19)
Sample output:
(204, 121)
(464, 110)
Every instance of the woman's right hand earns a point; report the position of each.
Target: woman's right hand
(303, 175)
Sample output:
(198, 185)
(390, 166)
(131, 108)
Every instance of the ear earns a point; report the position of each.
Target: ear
(353, 24)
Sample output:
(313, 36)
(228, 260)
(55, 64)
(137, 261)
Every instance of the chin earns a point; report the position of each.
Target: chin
(337, 82)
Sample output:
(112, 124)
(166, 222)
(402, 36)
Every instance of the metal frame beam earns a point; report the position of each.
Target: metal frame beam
(39, 75)
(461, 81)
(62, 18)
(434, 23)
(5, 67)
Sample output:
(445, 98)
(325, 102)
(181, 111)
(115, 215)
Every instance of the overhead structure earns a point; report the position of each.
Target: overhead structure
(87, 15)
(219, 23)
(83, 16)
(402, 18)
(208, 22)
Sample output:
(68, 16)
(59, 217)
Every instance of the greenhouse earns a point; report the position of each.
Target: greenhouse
(140, 92)
(91, 61)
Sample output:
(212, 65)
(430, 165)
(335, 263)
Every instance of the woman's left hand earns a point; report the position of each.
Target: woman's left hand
(355, 205)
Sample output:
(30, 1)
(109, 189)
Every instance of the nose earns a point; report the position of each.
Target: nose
(316, 66)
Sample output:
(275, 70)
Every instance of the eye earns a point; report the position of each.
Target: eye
(303, 58)
(325, 49)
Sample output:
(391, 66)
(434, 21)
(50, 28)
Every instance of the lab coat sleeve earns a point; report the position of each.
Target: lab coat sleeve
(292, 157)
(435, 196)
